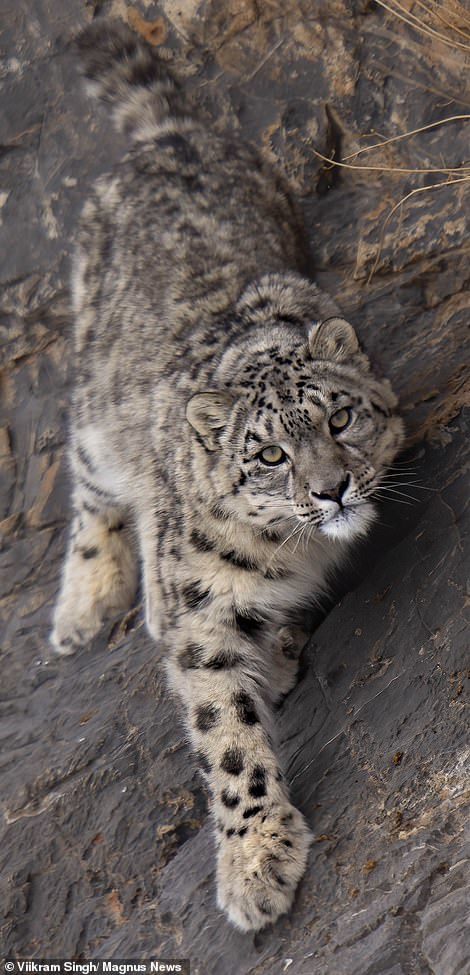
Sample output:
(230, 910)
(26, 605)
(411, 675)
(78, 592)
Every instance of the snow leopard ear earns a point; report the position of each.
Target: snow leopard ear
(208, 413)
(334, 338)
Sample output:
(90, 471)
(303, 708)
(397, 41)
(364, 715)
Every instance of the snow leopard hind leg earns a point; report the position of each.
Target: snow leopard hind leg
(100, 573)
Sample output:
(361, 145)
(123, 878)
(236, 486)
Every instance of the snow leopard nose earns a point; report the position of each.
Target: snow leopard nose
(334, 494)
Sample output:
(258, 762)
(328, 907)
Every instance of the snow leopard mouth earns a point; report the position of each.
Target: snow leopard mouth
(350, 521)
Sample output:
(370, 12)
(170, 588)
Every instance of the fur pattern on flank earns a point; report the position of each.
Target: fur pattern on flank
(226, 431)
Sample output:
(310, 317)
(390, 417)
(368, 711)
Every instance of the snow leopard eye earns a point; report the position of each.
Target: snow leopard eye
(272, 455)
(340, 420)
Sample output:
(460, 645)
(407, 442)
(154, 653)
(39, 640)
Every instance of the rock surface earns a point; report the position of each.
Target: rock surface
(106, 846)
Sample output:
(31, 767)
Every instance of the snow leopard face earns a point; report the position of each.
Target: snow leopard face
(301, 433)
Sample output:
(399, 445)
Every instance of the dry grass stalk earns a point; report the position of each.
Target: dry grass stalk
(438, 13)
(405, 135)
(421, 26)
(391, 169)
(455, 9)
(420, 189)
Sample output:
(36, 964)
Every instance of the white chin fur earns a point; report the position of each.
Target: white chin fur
(349, 524)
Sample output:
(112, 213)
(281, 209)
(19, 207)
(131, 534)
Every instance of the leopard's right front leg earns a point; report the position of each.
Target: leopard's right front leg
(262, 839)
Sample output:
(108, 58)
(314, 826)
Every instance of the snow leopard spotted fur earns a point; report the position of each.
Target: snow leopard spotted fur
(227, 428)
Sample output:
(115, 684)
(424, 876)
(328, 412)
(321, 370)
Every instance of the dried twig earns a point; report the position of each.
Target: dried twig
(391, 169)
(458, 97)
(405, 135)
(420, 189)
(437, 13)
(265, 60)
(420, 26)
(456, 9)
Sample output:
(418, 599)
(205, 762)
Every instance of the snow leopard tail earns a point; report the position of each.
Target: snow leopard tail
(128, 74)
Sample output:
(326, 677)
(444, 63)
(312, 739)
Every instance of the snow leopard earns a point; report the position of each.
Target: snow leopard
(227, 436)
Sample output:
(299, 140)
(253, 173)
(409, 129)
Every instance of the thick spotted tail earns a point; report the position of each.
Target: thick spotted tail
(128, 74)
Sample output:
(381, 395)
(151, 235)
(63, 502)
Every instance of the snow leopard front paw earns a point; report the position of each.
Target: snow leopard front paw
(260, 865)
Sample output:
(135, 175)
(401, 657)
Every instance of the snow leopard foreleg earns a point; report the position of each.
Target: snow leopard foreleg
(262, 839)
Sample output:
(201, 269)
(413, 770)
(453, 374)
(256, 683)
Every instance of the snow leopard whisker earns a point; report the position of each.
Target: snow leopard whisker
(274, 524)
(301, 535)
(404, 473)
(395, 500)
(392, 474)
(394, 490)
(415, 485)
(294, 532)
(403, 463)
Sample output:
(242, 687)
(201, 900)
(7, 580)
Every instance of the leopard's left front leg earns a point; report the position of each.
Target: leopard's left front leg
(286, 646)
(262, 838)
